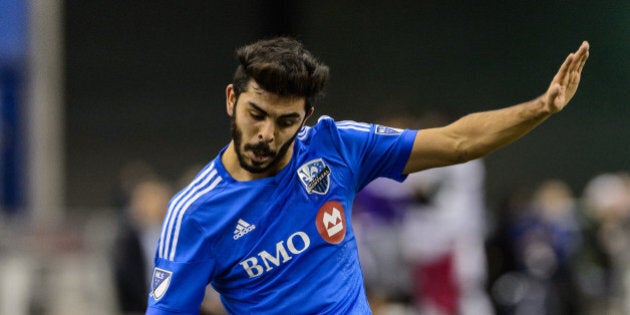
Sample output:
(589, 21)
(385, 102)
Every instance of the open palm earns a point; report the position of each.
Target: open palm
(566, 81)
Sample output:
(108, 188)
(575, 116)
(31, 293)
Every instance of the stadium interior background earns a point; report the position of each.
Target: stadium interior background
(145, 80)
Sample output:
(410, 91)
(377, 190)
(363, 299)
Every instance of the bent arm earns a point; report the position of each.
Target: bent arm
(478, 134)
(474, 135)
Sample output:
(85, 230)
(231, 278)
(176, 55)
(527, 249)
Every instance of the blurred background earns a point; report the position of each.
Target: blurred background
(108, 106)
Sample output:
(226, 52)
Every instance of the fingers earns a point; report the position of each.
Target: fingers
(583, 48)
(580, 57)
(583, 53)
(562, 76)
(573, 64)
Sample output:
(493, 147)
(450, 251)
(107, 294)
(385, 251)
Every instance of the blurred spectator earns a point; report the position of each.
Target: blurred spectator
(130, 174)
(135, 243)
(13, 80)
(444, 236)
(144, 197)
(377, 219)
(606, 267)
(545, 240)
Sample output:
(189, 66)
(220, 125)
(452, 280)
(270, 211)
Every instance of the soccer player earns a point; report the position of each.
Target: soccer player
(267, 222)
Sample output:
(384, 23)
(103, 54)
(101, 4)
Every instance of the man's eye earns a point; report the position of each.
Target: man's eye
(257, 116)
(287, 123)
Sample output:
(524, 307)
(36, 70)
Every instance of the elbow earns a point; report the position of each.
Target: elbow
(462, 154)
(466, 151)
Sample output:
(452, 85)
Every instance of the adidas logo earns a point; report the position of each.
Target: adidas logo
(242, 228)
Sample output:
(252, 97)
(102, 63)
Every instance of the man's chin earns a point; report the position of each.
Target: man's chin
(256, 168)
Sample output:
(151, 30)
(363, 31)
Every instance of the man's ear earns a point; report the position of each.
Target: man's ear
(309, 113)
(230, 99)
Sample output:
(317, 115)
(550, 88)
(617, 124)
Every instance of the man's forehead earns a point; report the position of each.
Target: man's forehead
(274, 99)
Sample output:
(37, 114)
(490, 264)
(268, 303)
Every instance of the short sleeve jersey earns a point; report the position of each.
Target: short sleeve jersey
(282, 244)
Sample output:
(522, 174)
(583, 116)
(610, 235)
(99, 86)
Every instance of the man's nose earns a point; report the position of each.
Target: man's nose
(267, 131)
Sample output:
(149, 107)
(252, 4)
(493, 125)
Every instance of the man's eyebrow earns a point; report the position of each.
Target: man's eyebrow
(256, 107)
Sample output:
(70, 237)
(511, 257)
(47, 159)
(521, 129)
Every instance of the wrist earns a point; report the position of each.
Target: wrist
(543, 105)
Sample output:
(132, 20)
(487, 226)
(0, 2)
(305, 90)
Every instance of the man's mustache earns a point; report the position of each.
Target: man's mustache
(260, 148)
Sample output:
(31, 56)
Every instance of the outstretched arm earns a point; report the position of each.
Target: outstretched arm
(478, 134)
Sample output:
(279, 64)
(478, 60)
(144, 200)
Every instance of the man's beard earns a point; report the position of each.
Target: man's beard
(261, 148)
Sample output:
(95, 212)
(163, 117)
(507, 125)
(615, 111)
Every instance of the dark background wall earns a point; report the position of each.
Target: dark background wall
(145, 80)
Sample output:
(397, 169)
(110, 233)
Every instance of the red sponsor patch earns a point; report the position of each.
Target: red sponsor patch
(331, 222)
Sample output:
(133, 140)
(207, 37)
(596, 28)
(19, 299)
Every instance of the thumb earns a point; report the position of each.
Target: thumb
(555, 97)
(553, 91)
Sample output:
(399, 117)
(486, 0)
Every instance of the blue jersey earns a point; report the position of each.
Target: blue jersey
(282, 244)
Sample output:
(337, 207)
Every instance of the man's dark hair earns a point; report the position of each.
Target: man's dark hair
(281, 66)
